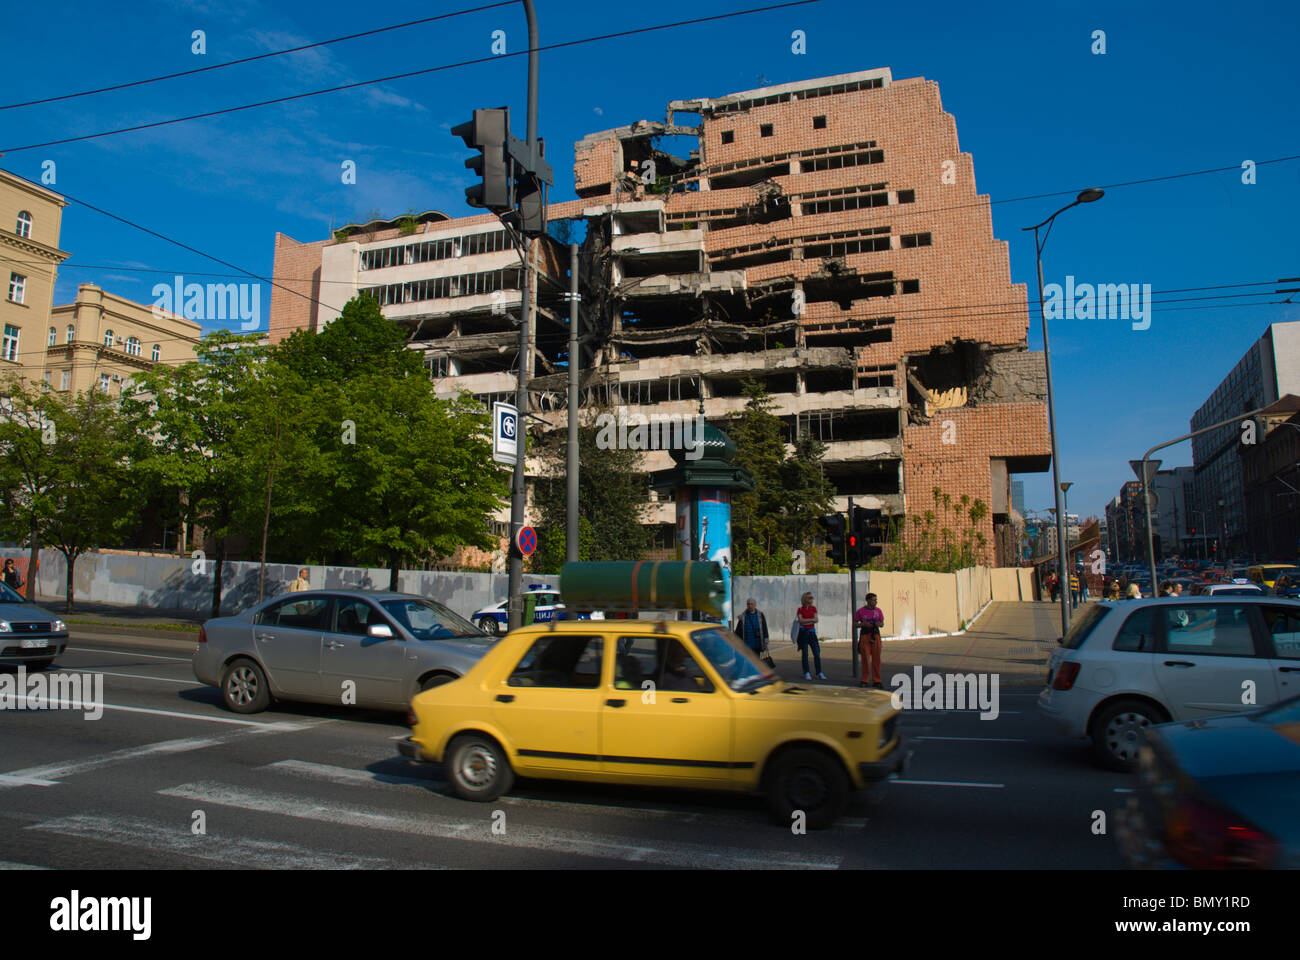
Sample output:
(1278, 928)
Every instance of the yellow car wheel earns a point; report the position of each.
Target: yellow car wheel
(477, 768)
(809, 781)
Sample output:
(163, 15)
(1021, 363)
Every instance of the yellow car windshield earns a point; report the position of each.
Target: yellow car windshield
(722, 648)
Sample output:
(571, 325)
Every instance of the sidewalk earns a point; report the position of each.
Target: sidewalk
(1011, 639)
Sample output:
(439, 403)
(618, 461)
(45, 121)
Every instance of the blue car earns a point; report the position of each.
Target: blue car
(1219, 793)
(29, 635)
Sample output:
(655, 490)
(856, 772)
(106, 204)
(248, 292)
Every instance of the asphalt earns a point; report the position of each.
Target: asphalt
(317, 787)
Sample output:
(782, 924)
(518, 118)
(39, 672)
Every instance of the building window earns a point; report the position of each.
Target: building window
(24, 227)
(819, 123)
(54, 336)
(49, 378)
(108, 338)
(728, 136)
(17, 288)
(103, 382)
(72, 332)
(911, 286)
(64, 377)
(915, 240)
(10, 343)
(765, 130)
(133, 346)
(907, 196)
(156, 353)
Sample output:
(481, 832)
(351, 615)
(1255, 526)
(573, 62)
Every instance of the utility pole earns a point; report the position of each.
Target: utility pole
(571, 479)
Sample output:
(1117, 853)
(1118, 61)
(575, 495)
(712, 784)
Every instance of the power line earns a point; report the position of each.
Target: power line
(260, 56)
(408, 74)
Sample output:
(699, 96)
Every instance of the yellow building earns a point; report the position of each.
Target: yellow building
(30, 220)
(102, 340)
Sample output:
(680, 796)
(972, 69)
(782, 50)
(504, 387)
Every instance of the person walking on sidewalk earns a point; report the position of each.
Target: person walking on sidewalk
(752, 628)
(870, 620)
(302, 583)
(11, 577)
(806, 617)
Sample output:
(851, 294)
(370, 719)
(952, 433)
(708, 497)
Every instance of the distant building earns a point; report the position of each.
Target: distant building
(1269, 370)
(30, 222)
(1271, 488)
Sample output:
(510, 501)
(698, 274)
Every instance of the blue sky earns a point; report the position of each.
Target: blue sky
(1181, 87)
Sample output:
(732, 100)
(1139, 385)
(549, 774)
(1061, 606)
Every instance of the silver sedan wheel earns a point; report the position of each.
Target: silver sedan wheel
(1122, 734)
(242, 685)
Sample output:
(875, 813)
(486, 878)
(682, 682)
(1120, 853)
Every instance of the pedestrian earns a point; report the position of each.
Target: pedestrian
(1054, 585)
(1074, 590)
(752, 628)
(1178, 588)
(870, 620)
(11, 577)
(302, 583)
(806, 618)
(1113, 593)
(1166, 589)
(1133, 592)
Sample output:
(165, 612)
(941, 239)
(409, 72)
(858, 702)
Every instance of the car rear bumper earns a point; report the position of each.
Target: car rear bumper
(1053, 708)
(896, 762)
(410, 750)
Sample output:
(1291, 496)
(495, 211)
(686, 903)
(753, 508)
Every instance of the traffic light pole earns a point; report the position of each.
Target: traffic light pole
(853, 599)
(517, 495)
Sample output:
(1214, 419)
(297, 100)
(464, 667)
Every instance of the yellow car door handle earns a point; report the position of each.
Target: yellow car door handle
(615, 703)
(681, 700)
(505, 698)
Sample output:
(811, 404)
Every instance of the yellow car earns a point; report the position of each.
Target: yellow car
(653, 702)
(1266, 574)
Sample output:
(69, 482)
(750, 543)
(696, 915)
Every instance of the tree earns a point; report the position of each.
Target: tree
(91, 500)
(790, 491)
(613, 491)
(192, 422)
(26, 466)
(397, 474)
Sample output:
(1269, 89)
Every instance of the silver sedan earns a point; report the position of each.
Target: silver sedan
(349, 647)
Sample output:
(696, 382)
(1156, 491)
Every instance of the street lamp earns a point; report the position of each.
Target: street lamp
(1087, 196)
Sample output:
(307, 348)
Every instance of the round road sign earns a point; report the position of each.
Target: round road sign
(526, 540)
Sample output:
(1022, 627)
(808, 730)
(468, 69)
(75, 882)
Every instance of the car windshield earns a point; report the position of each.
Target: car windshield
(9, 595)
(1082, 626)
(739, 669)
(428, 620)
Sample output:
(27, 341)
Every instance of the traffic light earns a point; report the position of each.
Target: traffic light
(489, 132)
(834, 530)
(866, 531)
(531, 175)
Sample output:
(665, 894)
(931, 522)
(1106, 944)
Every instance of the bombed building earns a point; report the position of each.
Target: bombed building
(824, 237)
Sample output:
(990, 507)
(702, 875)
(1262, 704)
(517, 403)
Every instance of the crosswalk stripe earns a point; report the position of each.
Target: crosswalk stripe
(518, 836)
(345, 775)
(248, 854)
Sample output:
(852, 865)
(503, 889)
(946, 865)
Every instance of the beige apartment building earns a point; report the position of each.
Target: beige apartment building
(102, 340)
(30, 221)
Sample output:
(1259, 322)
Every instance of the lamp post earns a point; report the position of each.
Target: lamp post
(1087, 196)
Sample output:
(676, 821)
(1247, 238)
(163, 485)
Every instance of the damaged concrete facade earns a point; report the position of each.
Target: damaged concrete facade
(823, 236)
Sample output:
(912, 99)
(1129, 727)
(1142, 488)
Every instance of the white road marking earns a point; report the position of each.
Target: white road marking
(518, 836)
(278, 726)
(247, 854)
(56, 771)
(14, 780)
(123, 653)
(346, 775)
(950, 783)
(134, 676)
(979, 739)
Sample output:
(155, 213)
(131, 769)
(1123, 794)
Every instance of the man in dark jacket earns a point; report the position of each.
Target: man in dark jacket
(752, 628)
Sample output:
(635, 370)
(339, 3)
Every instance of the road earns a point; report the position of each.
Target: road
(308, 787)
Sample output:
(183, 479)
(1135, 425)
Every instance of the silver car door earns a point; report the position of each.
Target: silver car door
(287, 639)
(1282, 624)
(357, 669)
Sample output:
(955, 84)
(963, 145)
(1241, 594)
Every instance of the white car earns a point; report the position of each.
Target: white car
(1126, 664)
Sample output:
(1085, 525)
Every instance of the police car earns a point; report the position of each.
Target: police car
(494, 619)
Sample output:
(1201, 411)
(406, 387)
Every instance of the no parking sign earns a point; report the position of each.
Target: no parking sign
(526, 540)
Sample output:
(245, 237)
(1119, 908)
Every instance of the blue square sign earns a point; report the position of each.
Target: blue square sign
(505, 433)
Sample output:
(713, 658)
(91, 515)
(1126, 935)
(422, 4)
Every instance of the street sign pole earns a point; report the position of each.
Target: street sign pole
(853, 597)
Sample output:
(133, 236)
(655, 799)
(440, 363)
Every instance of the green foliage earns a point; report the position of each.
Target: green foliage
(612, 493)
(947, 538)
(790, 491)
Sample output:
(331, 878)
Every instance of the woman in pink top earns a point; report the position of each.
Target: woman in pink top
(807, 616)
